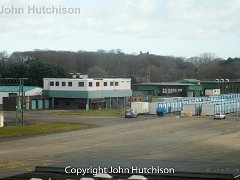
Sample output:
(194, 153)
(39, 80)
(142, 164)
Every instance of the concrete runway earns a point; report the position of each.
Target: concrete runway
(194, 140)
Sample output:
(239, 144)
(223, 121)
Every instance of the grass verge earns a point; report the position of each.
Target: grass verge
(40, 128)
(99, 112)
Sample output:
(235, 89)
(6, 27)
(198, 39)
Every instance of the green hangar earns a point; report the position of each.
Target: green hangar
(169, 89)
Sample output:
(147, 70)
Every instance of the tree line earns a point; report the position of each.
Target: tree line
(38, 64)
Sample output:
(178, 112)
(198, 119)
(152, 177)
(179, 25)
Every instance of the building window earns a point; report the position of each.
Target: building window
(80, 84)
(12, 94)
(116, 83)
(105, 83)
(63, 83)
(56, 83)
(97, 84)
(111, 83)
(69, 83)
(67, 103)
(56, 102)
(51, 83)
(90, 84)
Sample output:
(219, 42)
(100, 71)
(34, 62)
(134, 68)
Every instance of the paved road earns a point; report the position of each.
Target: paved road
(166, 139)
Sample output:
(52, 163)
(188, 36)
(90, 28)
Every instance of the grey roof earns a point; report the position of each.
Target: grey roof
(167, 84)
(16, 88)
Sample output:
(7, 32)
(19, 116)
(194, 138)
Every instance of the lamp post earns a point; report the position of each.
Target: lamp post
(237, 110)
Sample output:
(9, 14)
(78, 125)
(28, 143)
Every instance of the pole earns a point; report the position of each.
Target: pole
(18, 101)
(237, 109)
(22, 102)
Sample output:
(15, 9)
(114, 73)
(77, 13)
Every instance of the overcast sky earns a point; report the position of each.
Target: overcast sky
(165, 27)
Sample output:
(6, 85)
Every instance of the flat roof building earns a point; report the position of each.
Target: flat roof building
(88, 93)
(169, 89)
(225, 85)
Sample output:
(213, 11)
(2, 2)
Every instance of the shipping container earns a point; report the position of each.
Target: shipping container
(152, 107)
(40, 103)
(194, 108)
(208, 109)
(212, 92)
(1, 119)
(27, 106)
(34, 104)
(140, 107)
(47, 103)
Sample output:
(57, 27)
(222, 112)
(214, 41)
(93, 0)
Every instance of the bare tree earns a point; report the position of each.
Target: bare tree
(97, 72)
(4, 56)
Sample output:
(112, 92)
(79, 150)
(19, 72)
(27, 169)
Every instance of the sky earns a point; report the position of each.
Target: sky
(183, 28)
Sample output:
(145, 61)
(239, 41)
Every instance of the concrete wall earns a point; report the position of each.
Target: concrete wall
(3, 94)
(117, 84)
(101, 103)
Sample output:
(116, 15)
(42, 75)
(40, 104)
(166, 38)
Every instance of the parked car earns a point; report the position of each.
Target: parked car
(219, 116)
(131, 113)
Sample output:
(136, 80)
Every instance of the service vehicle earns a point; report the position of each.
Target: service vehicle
(219, 116)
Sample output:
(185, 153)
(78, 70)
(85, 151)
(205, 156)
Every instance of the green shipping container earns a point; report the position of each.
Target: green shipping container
(46, 103)
(34, 104)
(40, 104)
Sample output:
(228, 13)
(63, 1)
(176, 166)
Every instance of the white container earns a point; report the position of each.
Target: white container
(190, 108)
(212, 92)
(140, 107)
(152, 107)
(1, 119)
(208, 109)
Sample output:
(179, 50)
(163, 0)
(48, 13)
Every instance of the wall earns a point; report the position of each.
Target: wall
(3, 94)
(120, 88)
(173, 91)
(36, 102)
(225, 87)
(69, 103)
(147, 90)
(123, 84)
(73, 103)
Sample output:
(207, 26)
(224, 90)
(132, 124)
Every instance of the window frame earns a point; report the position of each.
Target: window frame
(51, 83)
(70, 82)
(81, 84)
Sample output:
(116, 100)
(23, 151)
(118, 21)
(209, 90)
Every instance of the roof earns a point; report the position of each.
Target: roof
(137, 93)
(16, 88)
(167, 84)
(189, 80)
(77, 79)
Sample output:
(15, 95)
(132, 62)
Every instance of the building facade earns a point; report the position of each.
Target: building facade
(76, 93)
(225, 86)
(9, 98)
(169, 89)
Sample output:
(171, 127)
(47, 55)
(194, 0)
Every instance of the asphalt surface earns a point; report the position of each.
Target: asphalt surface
(198, 143)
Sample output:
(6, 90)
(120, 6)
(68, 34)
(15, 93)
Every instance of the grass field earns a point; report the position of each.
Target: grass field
(99, 112)
(40, 128)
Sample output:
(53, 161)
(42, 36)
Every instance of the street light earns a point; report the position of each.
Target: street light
(237, 109)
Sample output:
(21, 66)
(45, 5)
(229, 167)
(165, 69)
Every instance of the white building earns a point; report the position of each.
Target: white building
(87, 93)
